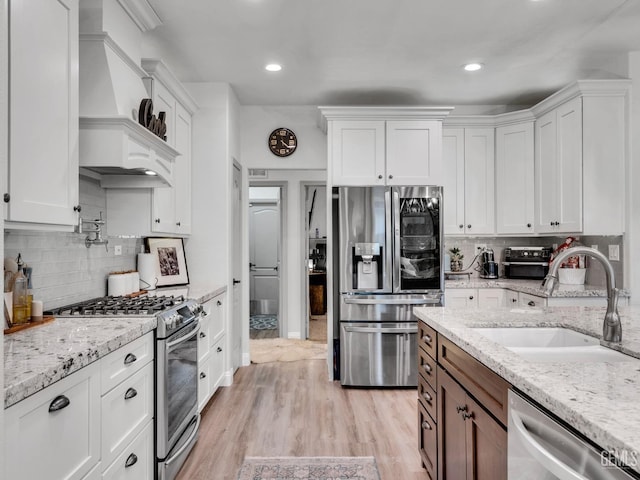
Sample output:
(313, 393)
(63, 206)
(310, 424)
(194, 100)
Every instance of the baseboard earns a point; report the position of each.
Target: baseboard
(295, 335)
(246, 359)
(227, 379)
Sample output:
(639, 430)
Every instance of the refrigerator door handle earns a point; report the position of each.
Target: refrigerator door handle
(394, 331)
(392, 301)
(395, 226)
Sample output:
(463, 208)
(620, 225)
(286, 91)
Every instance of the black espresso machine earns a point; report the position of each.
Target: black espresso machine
(526, 262)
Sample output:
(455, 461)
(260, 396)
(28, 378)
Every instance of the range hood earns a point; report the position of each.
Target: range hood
(113, 146)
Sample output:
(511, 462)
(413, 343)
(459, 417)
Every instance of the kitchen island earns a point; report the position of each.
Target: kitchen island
(598, 399)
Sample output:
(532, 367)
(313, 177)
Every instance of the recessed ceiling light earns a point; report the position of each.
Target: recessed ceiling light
(273, 67)
(472, 67)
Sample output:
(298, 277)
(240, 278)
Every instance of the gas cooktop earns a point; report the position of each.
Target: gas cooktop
(105, 306)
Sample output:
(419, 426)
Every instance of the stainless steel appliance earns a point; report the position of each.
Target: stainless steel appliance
(526, 262)
(389, 260)
(176, 393)
(488, 265)
(541, 448)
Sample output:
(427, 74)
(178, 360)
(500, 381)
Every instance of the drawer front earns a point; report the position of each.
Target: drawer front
(203, 337)
(50, 438)
(126, 361)
(204, 383)
(216, 364)
(428, 442)
(485, 385)
(427, 367)
(125, 411)
(427, 338)
(216, 318)
(136, 462)
(427, 396)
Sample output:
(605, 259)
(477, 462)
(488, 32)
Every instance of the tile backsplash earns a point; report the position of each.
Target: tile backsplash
(64, 269)
(595, 272)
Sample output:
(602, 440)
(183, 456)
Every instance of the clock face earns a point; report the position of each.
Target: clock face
(282, 142)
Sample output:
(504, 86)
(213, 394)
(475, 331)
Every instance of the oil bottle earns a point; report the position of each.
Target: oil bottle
(20, 307)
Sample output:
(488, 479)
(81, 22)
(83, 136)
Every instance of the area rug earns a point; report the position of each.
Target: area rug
(265, 350)
(263, 322)
(309, 468)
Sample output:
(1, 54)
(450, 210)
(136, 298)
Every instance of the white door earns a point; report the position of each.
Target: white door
(264, 257)
(236, 252)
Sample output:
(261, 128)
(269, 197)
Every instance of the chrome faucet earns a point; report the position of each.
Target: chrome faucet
(611, 328)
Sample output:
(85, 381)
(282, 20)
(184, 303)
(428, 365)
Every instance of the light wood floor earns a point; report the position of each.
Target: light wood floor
(291, 409)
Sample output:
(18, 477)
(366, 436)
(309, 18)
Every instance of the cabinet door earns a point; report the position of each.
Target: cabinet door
(486, 445)
(428, 442)
(546, 172)
(43, 139)
(182, 171)
(491, 298)
(453, 180)
(514, 179)
(452, 458)
(216, 364)
(414, 155)
(357, 150)
(569, 120)
(479, 180)
(164, 101)
(526, 300)
(461, 297)
(511, 298)
(66, 438)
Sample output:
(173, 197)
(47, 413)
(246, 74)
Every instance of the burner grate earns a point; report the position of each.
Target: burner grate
(109, 306)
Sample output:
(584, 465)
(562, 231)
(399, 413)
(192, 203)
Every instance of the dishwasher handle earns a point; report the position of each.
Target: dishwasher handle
(553, 464)
(392, 330)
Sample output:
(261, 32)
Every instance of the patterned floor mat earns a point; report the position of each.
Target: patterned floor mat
(263, 322)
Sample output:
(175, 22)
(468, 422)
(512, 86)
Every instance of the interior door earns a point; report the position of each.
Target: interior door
(236, 247)
(264, 256)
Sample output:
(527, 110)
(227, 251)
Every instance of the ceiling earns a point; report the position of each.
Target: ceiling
(400, 52)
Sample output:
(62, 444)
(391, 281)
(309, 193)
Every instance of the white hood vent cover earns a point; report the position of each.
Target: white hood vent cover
(114, 147)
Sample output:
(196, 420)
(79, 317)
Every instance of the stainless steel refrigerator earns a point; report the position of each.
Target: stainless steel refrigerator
(389, 257)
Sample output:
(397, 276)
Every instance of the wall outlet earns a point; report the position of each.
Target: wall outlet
(480, 247)
(595, 247)
(614, 252)
(117, 250)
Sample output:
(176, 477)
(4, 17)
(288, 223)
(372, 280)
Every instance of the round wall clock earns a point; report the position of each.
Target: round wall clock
(282, 142)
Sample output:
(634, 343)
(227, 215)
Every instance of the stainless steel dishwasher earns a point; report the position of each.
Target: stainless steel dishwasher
(540, 448)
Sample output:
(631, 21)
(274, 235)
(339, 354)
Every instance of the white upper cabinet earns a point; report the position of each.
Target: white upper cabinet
(469, 180)
(385, 146)
(515, 178)
(42, 187)
(559, 169)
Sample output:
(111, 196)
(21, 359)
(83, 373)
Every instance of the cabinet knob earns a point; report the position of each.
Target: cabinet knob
(219, 349)
(203, 375)
(131, 460)
(514, 300)
(466, 415)
(461, 408)
(7, 198)
(470, 297)
(461, 226)
(427, 368)
(77, 208)
(425, 425)
(202, 334)
(427, 338)
(379, 177)
(390, 177)
(557, 224)
(552, 223)
(178, 224)
(130, 358)
(219, 303)
(130, 393)
(427, 397)
(532, 303)
(59, 403)
(469, 226)
(528, 225)
(157, 220)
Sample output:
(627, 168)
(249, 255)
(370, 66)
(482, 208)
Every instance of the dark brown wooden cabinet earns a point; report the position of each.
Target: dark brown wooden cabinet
(462, 412)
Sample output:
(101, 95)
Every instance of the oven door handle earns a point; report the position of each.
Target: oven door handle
(553, 464)
(391, 330)
(186, 444)
(392, 301)
(186, 337)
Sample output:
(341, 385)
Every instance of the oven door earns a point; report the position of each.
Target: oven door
(176, 386)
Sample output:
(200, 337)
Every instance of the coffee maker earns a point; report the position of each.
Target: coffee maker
(488, 265)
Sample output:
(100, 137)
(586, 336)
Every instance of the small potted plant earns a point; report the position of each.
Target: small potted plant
(456, 259)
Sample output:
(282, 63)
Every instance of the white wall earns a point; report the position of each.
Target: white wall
(319, 217)
(632, 245)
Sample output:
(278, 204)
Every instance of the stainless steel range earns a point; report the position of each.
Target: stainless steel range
(176, 365)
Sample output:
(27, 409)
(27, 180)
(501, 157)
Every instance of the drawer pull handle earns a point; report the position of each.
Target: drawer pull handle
(59, 403)
(532, 303)
(466, 415)
(219, 349)
(427, 397)
(427, 368)
(202, 334)
(203, 375)
(461, 408)
(132, 392)
(130, 358)
(426, 426)
(131, 460)
(427, 338)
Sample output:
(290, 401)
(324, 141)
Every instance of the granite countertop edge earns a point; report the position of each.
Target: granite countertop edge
(594, 398)
(532, 287)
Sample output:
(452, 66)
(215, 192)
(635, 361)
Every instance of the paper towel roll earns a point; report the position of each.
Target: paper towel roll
(147, 271)
(117, 285)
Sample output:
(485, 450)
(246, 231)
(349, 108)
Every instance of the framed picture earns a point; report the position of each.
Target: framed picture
(171, 264)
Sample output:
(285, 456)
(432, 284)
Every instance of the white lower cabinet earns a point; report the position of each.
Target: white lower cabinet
(95, 423)
(55, 433)
(461, 297)
(491, 297)
(211, 349)
(500, 297)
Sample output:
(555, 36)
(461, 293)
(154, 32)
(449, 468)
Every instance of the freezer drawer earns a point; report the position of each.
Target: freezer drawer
(381, 354)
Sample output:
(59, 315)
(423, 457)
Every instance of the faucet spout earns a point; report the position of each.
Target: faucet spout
(611, 328)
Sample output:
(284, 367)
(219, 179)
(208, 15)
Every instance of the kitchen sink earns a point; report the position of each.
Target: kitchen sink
(551, 344)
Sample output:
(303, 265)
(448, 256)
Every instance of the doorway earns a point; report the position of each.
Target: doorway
(264, 262)
(316, 233)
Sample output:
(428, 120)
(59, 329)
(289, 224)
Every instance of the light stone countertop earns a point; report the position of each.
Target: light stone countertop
(532, 287)
(40, 356)
(600, 400)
